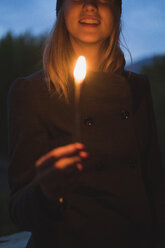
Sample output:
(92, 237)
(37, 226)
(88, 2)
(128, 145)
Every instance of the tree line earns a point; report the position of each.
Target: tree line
(19, 56)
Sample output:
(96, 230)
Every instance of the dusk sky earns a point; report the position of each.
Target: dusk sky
(143, 22)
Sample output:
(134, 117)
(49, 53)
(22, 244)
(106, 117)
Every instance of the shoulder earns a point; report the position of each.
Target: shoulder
(135, 77)
(137, 82)
(29, 92)
(33, 84)
(35, 80)
(140, 88)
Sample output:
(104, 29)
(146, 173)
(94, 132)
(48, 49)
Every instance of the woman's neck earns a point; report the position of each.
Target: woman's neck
(91, 53)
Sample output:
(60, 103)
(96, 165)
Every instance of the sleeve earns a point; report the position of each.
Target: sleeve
(28, 140)
(156, 173)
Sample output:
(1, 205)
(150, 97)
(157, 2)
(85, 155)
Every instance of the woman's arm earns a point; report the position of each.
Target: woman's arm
(37, 176)
(28, 140)
(156, 172)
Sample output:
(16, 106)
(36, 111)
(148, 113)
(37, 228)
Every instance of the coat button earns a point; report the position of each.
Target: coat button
(62, 203)
(124, 115)
(88, 122)
(61, 200)
(133, 163)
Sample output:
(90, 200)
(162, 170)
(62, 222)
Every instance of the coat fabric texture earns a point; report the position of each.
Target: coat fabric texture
(118, 200)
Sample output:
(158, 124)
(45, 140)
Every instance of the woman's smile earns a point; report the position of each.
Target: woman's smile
(88, 21)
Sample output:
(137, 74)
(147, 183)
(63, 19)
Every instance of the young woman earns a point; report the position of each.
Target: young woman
(108, 190)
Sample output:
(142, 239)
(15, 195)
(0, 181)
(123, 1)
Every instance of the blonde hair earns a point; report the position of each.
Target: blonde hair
(58, 55)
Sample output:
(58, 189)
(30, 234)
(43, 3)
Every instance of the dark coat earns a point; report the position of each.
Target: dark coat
(119, 198)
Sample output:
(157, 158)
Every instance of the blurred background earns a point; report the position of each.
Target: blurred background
(24, 26)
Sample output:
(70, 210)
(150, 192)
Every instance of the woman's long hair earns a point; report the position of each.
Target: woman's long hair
(58, 54)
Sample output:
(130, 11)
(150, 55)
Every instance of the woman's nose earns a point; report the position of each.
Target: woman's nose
(90, 4)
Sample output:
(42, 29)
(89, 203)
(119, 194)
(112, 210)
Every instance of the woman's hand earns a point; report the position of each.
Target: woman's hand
(56, 171)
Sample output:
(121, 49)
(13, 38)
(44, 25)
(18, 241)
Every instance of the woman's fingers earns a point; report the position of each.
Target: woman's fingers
(68, 150)
(64, 164)
(59, 168)
(59, 152)
(67, 162)
(83, 154)
(64, 159)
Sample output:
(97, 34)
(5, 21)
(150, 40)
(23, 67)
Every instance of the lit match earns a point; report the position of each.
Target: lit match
(79, 76)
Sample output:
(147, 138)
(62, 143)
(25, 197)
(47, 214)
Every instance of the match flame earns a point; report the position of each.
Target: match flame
(80, 70)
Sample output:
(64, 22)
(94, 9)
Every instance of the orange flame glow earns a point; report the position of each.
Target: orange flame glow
(80, 70)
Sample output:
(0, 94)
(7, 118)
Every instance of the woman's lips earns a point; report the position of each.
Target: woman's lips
(89, 20)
